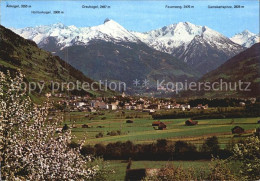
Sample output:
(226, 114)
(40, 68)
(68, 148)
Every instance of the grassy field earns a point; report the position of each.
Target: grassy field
(119, 166)
(141, 131)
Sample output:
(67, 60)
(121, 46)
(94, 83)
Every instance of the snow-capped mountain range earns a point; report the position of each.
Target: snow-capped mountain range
(165, 39)
(199, 46)
(170, 37)
(177, 39)
(71, 35)
(246, 38)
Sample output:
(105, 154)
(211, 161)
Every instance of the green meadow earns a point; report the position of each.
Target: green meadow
(142, 131)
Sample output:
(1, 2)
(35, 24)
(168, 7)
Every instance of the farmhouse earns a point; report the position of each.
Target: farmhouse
(191, 122)
(237, 130)
(85, 126)
(156, 123)
(162, 126)
(129, 121)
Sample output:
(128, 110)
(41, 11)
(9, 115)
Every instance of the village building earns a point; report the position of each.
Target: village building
(80, 104)
(186, 106)
(128, 107)
(154, 106)
(133, 107)
(91, 109)
(242, 104)
(177, 106)
(149, 110)
(112, 106)
(200, 106)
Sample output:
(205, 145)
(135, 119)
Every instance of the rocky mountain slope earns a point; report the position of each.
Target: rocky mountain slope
(244, 67)
(126, 62)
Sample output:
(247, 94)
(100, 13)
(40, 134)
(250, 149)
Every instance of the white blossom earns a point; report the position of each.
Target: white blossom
(30, 148)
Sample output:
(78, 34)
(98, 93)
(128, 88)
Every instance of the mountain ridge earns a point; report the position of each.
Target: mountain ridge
(173, 39)
(36, 64)
(176, 39)
(244, 67)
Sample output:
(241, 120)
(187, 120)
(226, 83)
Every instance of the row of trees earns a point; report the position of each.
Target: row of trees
(251, 110)
(161, 150)
(225, 102)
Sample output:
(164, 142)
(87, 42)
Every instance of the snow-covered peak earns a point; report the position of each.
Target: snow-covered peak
(106, 20)
(171, 36)
(111, 23)
(115, 30)
(58, 25)
(245, 38)
(177, 35)
(247, 33)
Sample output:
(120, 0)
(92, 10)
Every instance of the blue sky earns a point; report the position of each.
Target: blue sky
(136, 15)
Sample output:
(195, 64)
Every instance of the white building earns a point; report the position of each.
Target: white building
(112, 106)
(80, 104)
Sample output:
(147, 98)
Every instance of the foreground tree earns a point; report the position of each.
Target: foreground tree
(30, 148)
(248, 153)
